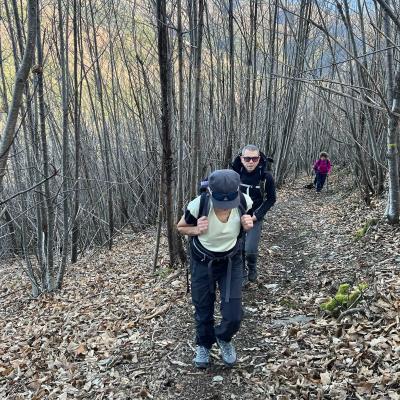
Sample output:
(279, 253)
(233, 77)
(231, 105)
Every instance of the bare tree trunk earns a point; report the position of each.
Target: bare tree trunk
(77, 126)
(11, 229)
(389, 12)
(166, 124)
(267, 127)
(181, 90)
(254, 72)
(193, 30)
(65, 143)
(159, 225)
(7, 215)
(363, 83)
(197, 142)
(232, 108)
(106, 133)
(393, 201)
(3, 89)
(393, 154)
(293, 97)
(8, 134)
(32, 158)
(48, 220)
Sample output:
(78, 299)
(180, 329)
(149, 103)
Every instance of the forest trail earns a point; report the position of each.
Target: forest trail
(117, 332)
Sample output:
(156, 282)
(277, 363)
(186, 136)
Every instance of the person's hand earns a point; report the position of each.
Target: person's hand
(202, 225)
(254, 218)
(247, 222)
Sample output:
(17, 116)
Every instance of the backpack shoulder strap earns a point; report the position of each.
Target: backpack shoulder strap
(243, 204)
(242, 207)
(262, 181)
(204, 207)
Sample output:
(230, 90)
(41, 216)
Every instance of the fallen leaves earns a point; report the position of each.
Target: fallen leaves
(325, 378)
(125, 333)
(159, 311)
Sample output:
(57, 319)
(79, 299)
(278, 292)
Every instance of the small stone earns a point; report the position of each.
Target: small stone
(271, 286)
(176, 283)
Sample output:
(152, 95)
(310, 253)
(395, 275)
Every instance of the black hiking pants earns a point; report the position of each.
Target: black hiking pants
(204, 297)
(320, 180)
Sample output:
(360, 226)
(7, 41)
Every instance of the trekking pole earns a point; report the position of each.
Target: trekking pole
(187, 280)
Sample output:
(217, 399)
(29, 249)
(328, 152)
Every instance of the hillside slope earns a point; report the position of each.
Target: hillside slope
(118, 332)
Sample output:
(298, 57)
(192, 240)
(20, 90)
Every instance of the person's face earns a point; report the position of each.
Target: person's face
(323, 158)
(250, 159)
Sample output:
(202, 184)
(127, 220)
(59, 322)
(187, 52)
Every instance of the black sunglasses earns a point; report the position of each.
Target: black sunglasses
(248, 159)
(224, 196)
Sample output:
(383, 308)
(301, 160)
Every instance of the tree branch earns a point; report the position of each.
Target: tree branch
(389, 12)
(55, 172)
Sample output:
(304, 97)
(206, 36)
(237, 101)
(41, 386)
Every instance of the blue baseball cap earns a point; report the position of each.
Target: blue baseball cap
(224, 186)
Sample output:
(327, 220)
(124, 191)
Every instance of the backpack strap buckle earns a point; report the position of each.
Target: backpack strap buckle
(248, 187)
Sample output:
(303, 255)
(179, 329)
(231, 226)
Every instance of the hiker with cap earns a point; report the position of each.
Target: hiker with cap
(216, 259)
(257, 182)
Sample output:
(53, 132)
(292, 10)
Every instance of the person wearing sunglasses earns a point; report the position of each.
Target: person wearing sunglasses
(216, 259)
(257, 182)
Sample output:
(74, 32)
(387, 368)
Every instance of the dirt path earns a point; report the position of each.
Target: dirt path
(118, 332)
(279, 301)
(287, 348)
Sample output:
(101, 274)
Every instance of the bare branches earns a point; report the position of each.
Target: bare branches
(389, 12)
(55, 172)
(292, 77)
(22, 75)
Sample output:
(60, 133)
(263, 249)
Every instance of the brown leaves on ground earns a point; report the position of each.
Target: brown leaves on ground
(117, 332)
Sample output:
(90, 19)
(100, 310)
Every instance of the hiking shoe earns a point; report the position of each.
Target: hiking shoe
(202, 359)
(251, 261)
(252, 275)
(228, 353)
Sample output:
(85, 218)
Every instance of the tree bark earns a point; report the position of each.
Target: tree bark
(22, 75)
(232, 107)
(197, 131)
(48, 278)
(393, 200)
(65, 142)
(77, 129)
(166, 125)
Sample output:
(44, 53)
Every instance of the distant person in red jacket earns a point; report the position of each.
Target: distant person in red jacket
(322, 167)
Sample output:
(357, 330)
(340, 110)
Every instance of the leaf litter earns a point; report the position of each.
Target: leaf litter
(116, 331)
